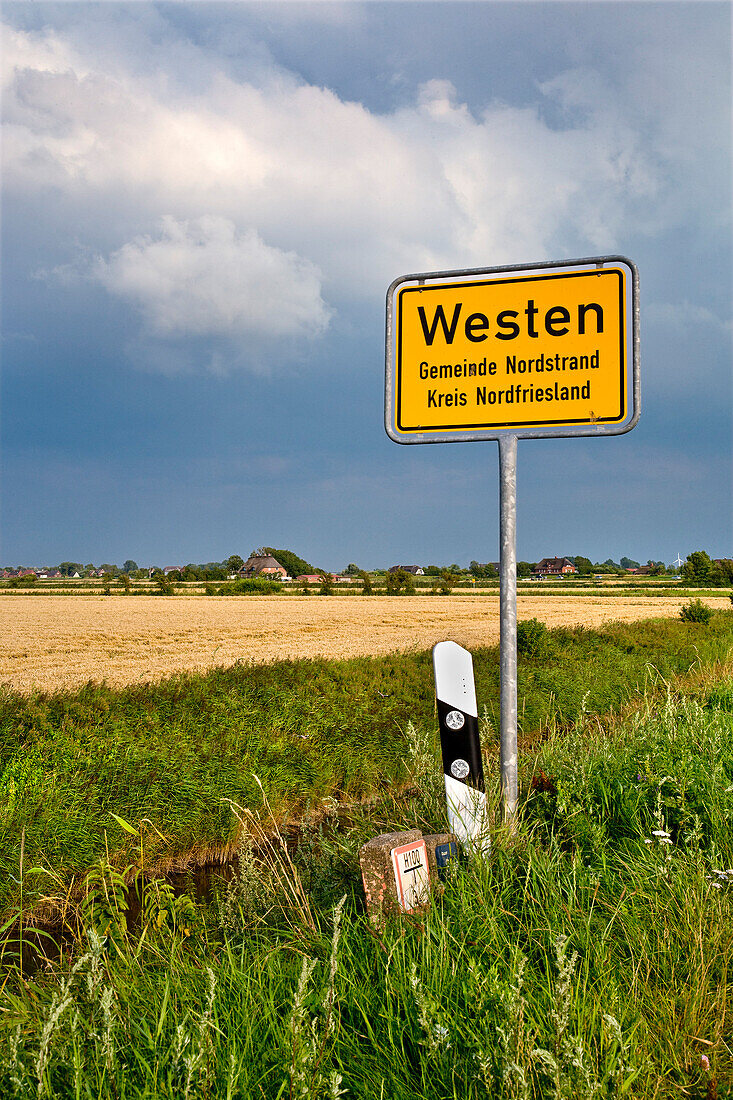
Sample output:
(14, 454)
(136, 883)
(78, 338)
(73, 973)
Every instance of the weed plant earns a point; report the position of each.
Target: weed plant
(696, 612)
(589, 956)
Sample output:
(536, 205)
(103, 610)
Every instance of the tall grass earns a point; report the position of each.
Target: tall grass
(74, 766)
(588, 956)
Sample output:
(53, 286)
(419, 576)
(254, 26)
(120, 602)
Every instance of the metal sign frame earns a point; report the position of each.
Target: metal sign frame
(471, 275)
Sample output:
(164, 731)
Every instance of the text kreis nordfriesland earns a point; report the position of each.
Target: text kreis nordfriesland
(514, 394)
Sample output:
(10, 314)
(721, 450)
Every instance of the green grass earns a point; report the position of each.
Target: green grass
(167, 754)
(585, 957)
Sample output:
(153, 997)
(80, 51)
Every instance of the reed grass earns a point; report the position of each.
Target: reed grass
(588, 956)
(75, 766)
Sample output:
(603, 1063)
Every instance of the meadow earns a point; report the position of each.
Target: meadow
(51, 642)
(588, 956)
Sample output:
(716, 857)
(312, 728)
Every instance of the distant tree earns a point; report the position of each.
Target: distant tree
(400, 582)
(352, 570)
(212, 571)
(164, 585)
(68, 568)
(629, 563)
(326, 587)
(722, 572)
(584, 566)
(124, 580)
(448, 580)
(234, 563)
(477, 569)
(191, 572)
(129, 566)
(112, 570)
(698, 568)
(366, 588)
(524, 569)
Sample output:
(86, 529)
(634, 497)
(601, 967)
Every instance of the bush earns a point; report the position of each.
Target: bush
(447, 582)
(251, 586)
(531, 637)
(367, 583)
(23, 582)
(696, 612)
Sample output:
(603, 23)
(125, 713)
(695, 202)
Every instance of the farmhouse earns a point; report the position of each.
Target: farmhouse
(263, 565)
(416, 570)
(553, 567)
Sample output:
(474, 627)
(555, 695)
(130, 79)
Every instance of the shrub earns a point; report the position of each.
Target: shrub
(400, 582)
(447, 581)
(367, 583)
(531, 637)
(23, 582)
(326, 587)
(250, 586)
(696, 612)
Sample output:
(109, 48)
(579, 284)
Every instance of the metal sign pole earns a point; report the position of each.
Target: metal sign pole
(508, 620)
(570, 368)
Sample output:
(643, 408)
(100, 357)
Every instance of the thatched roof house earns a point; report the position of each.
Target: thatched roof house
(262, 565)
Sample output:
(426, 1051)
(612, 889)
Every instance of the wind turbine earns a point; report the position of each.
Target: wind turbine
(678, 562)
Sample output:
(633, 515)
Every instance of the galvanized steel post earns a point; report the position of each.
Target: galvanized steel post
(508, 620)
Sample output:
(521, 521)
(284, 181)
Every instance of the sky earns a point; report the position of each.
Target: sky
(203, 206)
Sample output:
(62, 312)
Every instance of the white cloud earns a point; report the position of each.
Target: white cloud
(280, 185)
(206, 278)
(682, 317)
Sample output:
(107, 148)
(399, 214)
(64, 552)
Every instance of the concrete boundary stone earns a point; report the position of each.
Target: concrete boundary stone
(383, 895)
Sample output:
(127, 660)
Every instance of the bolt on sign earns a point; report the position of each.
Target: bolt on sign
(534, 350)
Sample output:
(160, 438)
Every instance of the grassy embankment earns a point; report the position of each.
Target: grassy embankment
(168, 753)
(588, 956)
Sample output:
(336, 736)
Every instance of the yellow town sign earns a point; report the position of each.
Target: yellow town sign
(530, 351)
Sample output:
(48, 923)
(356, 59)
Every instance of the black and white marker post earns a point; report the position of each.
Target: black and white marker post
(460, 746)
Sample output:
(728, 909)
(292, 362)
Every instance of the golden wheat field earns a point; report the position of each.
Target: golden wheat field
(53, 642)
